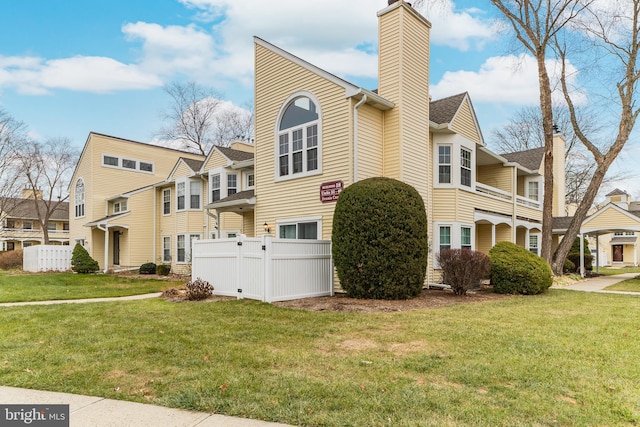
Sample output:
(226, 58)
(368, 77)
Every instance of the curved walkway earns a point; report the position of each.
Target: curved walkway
(598, 284)
(83, 300)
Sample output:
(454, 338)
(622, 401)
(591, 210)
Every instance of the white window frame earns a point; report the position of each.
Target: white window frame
(165, 248)
(536, 248)
(248, 177)
(306, 148)
(470, 245)
(119, 206)
(181, 191)
(527, 189)
(235, 184)
(166, 201)
(296, 221)
(79, 199)
(197, 186)
(27, 225)
(52, 226)
(188, 242)
(136, 163)
(215, 174)
(456, 234)
(442, 164)
(464, 167)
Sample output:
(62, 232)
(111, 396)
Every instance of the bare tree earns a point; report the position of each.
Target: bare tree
(198, 118)
(536, 23)
(613, 30)
(524, 132)
(13, 134)
(47, 169)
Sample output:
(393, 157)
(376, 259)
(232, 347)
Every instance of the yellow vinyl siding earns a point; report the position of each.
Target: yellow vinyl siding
(496, 176)
(483, 238)
(465, 124)
(137, 243)
(370, 146)
(277, 79)
(216, 160)
(404, 50)
(611, 219)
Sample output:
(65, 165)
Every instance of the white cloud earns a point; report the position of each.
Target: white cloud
(511, 80)
(460, 29)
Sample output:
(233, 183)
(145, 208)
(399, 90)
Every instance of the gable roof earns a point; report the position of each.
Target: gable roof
(235, 155)
(193, 164)
(617, 192)
(530, 159)
(444, 110)
(26, 209)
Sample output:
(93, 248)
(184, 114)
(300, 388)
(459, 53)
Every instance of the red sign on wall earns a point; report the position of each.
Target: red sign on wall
(329, 191)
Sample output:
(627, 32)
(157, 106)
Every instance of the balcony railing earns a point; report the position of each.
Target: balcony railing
(504, 195)
(30, 230)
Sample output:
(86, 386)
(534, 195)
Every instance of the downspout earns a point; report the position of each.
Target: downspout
(206, 222)
(355, 137)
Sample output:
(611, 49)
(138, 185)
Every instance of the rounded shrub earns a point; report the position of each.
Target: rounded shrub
(515, 270)
(380, 242)
(148, 268)
(463, 269)
(574, 255)
(163, 269)
(81, 261)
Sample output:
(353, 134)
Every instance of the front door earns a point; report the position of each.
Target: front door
(618, 253)
(116, 248)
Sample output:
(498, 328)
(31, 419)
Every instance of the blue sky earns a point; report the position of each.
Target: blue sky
(69, 67)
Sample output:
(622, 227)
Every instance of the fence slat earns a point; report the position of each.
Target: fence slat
(39, 258)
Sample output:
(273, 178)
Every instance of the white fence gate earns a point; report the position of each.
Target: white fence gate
(264, 268)
(46, 258)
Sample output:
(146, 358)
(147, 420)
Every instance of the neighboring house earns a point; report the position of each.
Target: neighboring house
(612, 230)
(134, 203)
(316, 134)
(21, 228)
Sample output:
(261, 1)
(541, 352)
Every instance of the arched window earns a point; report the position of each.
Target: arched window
(79, 198)
(298, 148)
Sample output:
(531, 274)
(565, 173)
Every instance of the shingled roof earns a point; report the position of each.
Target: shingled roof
(26, 209)
(235, 155)
(444, 110)
(195, 165)
(530, 159)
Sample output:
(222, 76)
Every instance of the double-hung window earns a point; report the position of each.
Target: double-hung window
(444, 164)
(232, 184)
(195, 192)
(215, 187)
(465, 167)
(533, 243)
(166, 249)
(298, 141)
(533, 188)
(180, 192)
(465, 238)
(184, 244)
(445, 237)
(166, 201)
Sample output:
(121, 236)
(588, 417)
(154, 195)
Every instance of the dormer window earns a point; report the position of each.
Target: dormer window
(120, 206)
(298, 142)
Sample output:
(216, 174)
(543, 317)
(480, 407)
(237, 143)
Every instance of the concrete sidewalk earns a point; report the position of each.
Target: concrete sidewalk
(82, 301)
(99, 412)
(598, 284)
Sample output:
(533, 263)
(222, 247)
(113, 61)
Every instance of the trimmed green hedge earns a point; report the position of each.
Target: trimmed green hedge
(81, 261)
(515, 270)
(380, 242)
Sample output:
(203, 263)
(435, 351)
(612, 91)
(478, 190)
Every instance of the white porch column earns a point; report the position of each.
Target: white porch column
(598, 254)
(493, 235)
(582, 254)
(526, 239)
(106, 247)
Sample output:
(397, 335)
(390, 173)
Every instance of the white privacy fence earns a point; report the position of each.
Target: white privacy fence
(264, 268)
(46, 258)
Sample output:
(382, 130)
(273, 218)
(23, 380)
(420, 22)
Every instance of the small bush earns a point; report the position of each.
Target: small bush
(575, 259)
(463, 269)
(569, 266)
(198, 289)
(515, 270)
(11, 259)
(148, 268)
(380, 242)
(163, 269)
(81, 261)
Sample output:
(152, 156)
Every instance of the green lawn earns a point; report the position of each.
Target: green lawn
(18, 287)
(563, 358)
(606, 271)
(629, 285)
